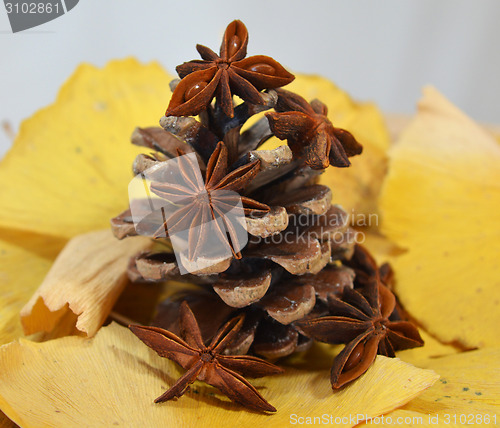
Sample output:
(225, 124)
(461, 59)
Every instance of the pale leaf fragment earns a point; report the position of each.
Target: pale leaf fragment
(82, 285)
(441, 202)
(113, 378)
(466, 394)
(68, 169)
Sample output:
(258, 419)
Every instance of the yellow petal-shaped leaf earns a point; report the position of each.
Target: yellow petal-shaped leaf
(355, 188)
(68, 170)
(466, 394)
(432, 349)
(113, 378)
(469, 383)
(25, 258)
(83, 284)
(441, 201)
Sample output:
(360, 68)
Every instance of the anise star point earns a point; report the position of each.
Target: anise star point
(203, 203)
(361, 321)
(309, 132)
(225, 75)
(208, 363)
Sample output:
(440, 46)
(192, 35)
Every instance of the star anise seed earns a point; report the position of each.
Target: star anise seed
(225, 75)
(309, 132)
(362, 321)
(201, 202)
(208, 363)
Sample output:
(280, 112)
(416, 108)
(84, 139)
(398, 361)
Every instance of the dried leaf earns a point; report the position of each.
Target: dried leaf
(111, 378)
(465, 377)
(25, 258)
(71, 159)
(432, 349)
(83, 283)
(468, 386)
(441, 201)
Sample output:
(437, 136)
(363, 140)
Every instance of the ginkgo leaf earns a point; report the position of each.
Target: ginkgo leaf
(113, 378)
(466, 393)
(355, 188)
(25, 258)
(397, 123)
(83, 284)
(441, 202)
(468, 384)
(432, 349)
(68, 170)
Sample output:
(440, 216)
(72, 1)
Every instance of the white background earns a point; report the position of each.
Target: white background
(377, 50)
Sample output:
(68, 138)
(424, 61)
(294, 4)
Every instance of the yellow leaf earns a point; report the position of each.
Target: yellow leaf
(83, 284)
(466, 393)
(441, 201)
(68, 170)
(469, 383)
(432, 349)
(25, 258)
(113, 378)
(407, 419)
(355, 188)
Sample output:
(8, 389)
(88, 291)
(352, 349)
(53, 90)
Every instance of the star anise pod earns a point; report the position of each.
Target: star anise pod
(208, 363)
(225, 74)
(201, 205)
(309, 132)
(362, 321)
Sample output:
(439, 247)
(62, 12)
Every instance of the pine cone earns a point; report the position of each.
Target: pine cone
(295, 232)
(296, 254)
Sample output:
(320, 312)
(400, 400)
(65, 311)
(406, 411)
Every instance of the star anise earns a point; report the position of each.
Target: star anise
(225, 74)
(362, 321)
(208, 363)
(201, 207)
(309, 132)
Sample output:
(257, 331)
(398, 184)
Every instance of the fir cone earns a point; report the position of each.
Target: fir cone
(297, 237)
(297, 262)
(268, 329)
(295, 229)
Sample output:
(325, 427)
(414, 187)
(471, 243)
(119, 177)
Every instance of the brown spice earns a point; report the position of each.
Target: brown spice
(201, 201)
(361, 320)
(208, 363)
(309, 132)
(225, 75)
